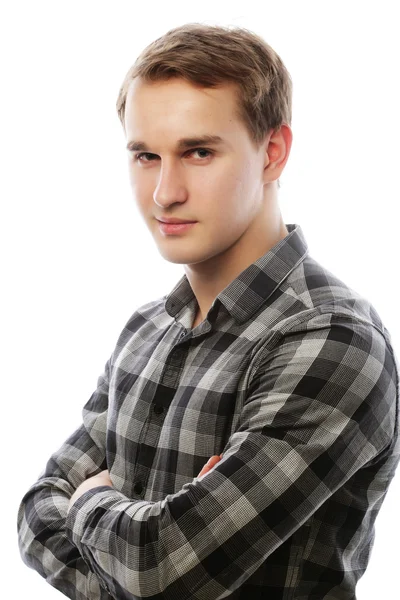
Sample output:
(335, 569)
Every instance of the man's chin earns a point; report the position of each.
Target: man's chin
(181, 256)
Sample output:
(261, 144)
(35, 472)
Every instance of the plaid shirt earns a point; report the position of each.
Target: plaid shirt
(292, 377)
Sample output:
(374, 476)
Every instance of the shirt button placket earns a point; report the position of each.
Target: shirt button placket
(138, 488)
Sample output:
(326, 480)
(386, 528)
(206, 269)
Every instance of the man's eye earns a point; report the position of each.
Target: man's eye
(140, 156)
(202, 150)
(146, 156)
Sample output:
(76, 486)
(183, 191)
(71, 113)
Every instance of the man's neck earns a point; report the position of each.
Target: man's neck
(209, 278)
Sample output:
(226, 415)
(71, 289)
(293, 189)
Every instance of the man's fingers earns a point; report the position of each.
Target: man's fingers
(210, 464)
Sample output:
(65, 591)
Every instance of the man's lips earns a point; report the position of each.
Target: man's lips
(175, 227)
(173, 221)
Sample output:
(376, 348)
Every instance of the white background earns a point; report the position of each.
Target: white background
(77, 259)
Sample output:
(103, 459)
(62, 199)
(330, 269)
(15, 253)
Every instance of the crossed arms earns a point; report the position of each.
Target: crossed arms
(304, 430)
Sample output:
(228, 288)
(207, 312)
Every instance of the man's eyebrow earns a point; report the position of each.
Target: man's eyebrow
(182, 144)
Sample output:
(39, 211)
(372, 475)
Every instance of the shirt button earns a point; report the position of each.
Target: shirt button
(158, 409)
(138, 488)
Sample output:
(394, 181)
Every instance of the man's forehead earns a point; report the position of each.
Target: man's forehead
(188, 120)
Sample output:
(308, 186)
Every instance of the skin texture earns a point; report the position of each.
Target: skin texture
(102, 478)
(210, 464)
(230, 190)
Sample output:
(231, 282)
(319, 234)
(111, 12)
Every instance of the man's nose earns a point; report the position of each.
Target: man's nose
(171, 185)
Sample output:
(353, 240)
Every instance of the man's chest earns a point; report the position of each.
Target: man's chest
(171, 407)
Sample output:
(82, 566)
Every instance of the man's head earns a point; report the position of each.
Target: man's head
(198, 81)
(208, 56)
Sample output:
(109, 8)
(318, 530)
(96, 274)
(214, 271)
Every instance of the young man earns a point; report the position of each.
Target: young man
(259, 358)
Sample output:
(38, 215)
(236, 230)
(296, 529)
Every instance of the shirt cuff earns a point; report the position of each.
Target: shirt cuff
(81, 509)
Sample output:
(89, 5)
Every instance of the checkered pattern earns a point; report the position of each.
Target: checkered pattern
(293, 378)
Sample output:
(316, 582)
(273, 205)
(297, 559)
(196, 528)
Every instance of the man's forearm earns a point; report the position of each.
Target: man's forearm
(45, 547)
(43, 542)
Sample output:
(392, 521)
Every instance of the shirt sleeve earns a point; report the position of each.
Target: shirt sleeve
(320, 406)
(43, 543)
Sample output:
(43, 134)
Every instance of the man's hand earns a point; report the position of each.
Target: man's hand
(210, 464)
(102, 478)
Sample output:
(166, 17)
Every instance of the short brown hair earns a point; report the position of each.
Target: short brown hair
(206, 56)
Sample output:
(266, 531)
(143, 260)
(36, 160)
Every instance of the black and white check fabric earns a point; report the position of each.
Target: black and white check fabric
(293, 378)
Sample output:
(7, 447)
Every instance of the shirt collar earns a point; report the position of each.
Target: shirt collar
(253, 286)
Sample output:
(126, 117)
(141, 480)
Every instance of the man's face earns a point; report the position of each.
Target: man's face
(218, 185)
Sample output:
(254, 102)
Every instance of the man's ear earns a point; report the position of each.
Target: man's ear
(277, 152)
